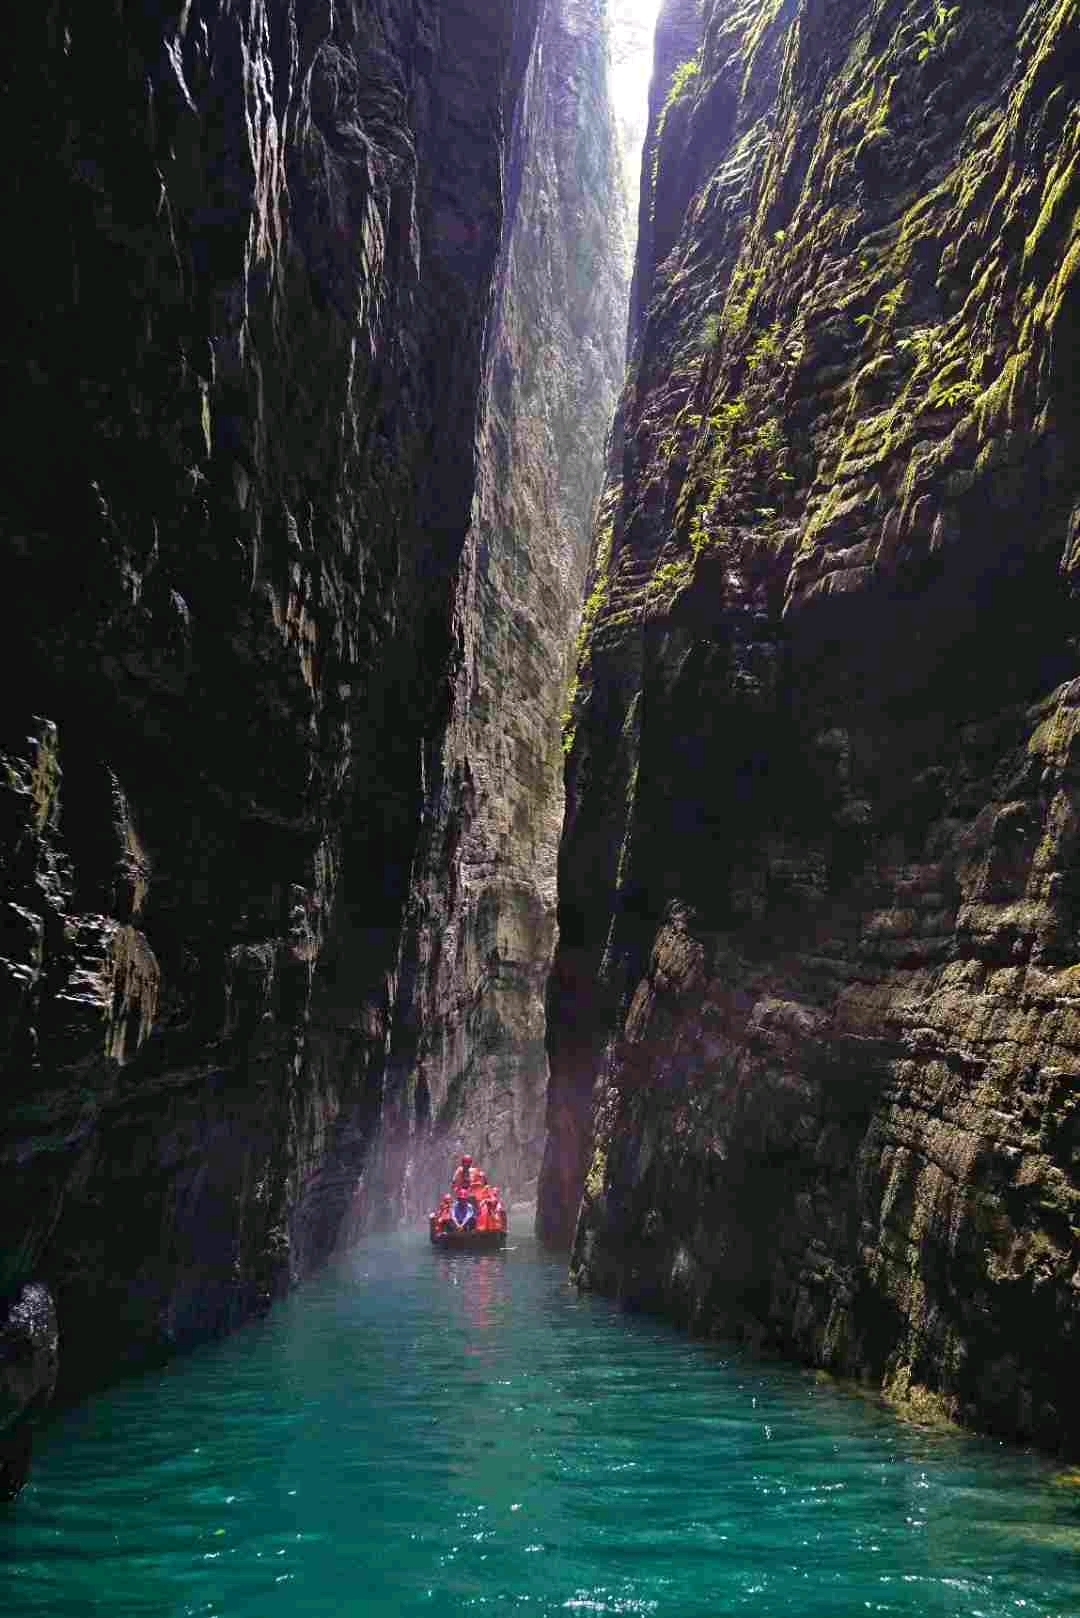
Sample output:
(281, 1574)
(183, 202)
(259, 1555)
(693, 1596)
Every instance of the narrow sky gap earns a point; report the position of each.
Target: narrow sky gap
(632, 24)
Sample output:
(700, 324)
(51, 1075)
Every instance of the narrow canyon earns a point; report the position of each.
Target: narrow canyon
(474, 683)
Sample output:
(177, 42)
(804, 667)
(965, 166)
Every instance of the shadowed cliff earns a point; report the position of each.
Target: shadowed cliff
(250, 323)
(814, 1021)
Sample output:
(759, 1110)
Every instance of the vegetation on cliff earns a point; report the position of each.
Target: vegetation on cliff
(814, 1005)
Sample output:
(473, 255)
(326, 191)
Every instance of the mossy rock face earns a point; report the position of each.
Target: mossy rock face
(839, 608)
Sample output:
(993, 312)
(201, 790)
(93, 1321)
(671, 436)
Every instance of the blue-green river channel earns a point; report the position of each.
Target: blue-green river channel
(417, 1434)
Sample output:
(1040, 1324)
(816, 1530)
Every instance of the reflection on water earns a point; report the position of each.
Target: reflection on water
(422, 1432)
(485, 1291)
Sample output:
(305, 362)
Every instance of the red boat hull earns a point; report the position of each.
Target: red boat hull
(472, 1241)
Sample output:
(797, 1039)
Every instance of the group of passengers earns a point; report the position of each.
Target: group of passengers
(471, 1203)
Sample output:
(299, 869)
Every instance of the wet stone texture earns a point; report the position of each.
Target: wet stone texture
(258, 243)
(814, 1022)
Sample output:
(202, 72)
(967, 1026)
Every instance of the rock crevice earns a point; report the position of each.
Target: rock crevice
(467, 1064)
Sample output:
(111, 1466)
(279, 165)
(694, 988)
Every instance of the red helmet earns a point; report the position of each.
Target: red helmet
(466, 1160)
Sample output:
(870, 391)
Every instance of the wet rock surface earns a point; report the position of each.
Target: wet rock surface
(813, 1022)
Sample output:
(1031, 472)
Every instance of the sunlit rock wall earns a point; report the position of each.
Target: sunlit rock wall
(251, 258)
(468, 1068)
(814, 1023)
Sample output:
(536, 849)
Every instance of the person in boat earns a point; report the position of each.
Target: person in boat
(462, 1174)
(463, 1210)
(491, 1215)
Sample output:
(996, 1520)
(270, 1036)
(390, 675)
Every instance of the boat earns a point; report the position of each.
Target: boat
(469, 1241)
(472, 1221)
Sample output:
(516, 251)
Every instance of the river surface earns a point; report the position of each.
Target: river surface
(416, 1434)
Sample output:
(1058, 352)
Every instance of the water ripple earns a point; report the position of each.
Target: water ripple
(418, 1433)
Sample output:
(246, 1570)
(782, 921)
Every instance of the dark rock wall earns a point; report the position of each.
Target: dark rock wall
(29, 1361)
(468, 1067)
(814, 1021)
(251, 264)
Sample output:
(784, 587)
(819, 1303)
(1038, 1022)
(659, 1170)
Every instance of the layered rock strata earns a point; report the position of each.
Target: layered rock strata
(248, 313)
(467, 1063)
(814, 1022)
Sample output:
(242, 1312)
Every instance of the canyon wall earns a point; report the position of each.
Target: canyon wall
(467, 1066)
(814, 1020)
(249, 321)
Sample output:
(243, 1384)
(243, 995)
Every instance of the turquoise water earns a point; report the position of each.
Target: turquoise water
(418, 1434)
